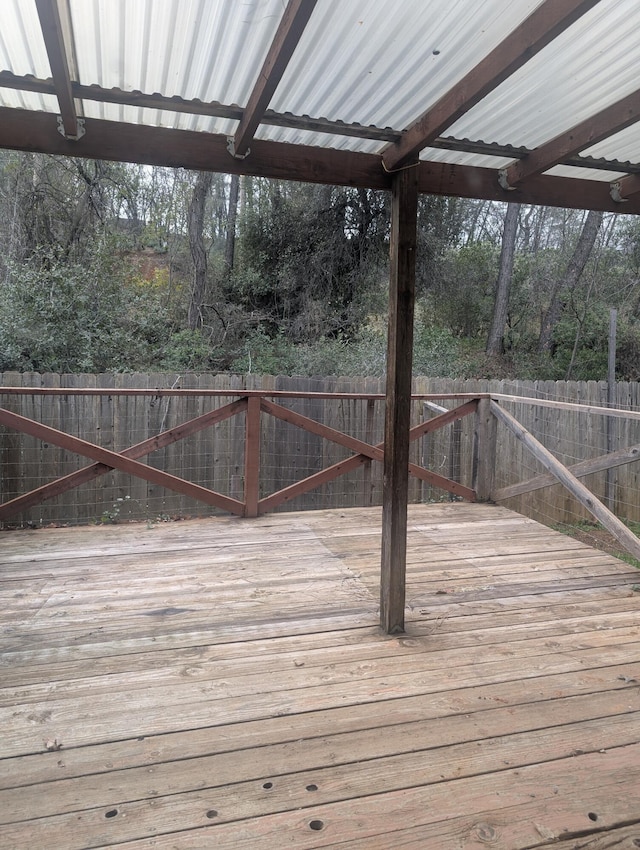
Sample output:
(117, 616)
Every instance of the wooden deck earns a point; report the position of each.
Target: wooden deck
(223, 684)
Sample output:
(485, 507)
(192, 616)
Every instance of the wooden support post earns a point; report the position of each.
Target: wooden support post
(484, 451)
(612, 391)
(252, 457)
(404, 212)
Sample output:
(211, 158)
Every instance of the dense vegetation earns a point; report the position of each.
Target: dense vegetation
(105, 266)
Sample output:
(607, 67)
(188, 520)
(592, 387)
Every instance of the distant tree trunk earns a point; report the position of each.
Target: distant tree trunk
(232, 217)
(88, 203)
(197, 246)
(570, 278)
(579, 326)
(495, 341)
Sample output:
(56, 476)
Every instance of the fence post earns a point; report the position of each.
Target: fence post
(366, 478)
(484, 451)
(252, 457)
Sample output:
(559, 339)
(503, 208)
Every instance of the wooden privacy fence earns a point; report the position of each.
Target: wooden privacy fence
(252, 405)
(249, 445)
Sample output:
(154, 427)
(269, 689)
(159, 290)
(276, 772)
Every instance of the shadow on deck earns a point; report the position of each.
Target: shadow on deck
(223, 683)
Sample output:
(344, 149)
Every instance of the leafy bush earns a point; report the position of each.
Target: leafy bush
(187, 350)
(71, 317)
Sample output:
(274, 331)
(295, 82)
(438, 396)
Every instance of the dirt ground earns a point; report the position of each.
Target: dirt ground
(599, 538)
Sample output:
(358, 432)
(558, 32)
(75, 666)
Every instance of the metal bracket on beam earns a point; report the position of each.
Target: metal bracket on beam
(614, 191)
(231, 147)
(63, 132)
(503, 180)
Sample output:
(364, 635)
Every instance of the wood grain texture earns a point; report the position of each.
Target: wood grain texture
(225, 683)
(397, 425)
(576, 434)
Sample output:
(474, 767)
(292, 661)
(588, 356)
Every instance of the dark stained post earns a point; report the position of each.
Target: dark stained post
(612, 392)
(252, 457)
(404, 213)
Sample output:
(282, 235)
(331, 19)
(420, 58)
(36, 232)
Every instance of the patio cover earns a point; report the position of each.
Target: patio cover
(533, 101)
(528, 100)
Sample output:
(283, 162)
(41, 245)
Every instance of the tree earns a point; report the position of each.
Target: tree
(568, 281)
(232, 217)
(310, 258)
(198, 250)
(89, 316)
(495, 341)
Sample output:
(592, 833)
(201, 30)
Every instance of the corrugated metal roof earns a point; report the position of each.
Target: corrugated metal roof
(360, 62)
(22, 47)
(191, 48)
(366, 62)
(585, 69)
(23, 52)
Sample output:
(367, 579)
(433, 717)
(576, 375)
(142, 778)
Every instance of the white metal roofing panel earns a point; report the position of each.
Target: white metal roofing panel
(590, 66)
(623, 146)
(585, 173)
(359, 61)
(365, 62)
(206, 49)
(306, 137)
(462, 158)
(152, 117)
(15, 99)
(22, 52)
(22, 49)
(157, 117)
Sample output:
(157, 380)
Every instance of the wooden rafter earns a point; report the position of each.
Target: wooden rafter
(608, 121)
(214, 109)
(292, 24)
(54, 22)
(307, 123)
(548, 21)
(541, 189)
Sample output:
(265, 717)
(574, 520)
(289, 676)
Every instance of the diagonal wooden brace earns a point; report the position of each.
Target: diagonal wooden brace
(365, 452)
(124, 461)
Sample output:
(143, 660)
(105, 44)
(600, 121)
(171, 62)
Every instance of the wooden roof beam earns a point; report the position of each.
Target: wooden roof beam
(547, 22)
(55, 22)
(613, 119)
(298, 122)
(295, 18)
(23, 129)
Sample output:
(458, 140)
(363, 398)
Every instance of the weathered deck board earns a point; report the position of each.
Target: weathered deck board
(223, 683)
